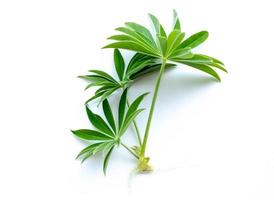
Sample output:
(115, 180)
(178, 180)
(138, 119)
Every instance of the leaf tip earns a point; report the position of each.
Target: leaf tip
(73, 131)
(218, 78)
(206, 33)
(175, 12)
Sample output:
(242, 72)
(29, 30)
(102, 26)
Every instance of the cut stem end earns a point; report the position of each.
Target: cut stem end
(143, 165)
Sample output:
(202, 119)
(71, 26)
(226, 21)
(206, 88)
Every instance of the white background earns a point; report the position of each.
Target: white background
(208, 140)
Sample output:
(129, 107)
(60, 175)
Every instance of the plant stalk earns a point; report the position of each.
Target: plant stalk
(127, 148)
(156, 89)
(136, 128)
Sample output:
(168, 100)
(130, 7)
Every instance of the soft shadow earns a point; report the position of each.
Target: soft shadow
(176, 86)
(181, 86)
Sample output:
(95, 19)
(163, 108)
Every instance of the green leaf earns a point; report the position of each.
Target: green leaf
(135, 104)
(203, 59)
(88, 150)
(135, 37)
(128, 121)
(97, 95)
(87, 155)
(99, 123)
(87, 134)
(91, 150)
(102, 83)
(119, 64)
(103, 89)
(143, 31)
(173, 41)
(150, 69)
(162, 31)
(93, 78)
(194, 40)
(109, 115)
(136, 150)
(106, 160)
(180, 54)
(176, 21)
(214, 59)
(133, 46)
(215, 62)
(122, 107)
(131, 113)
(139, 62)
(203, 68)
(157, 26)
(104, 74)
(139, 66)
(120, 37)
(102, 147)
(136, 60)
(162, 43)
(155, 22)
(108, 93)
(217, 65)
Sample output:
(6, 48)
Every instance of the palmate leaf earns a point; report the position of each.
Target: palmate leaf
(107, 135)
(170, 47)
(104, 138)
(138, 66)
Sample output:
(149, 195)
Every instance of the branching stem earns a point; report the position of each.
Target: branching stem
(143, 147)
(127, 148)
(136, 128)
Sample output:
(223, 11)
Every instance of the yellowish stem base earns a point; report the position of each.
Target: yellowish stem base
(143, 165)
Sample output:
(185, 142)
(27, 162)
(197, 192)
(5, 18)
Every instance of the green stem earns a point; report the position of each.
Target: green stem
(127, 148)
(143, 148)
(136, 128)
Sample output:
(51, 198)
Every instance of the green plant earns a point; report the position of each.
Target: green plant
(154, 53)
(138, 66)
(171, 47)
(109, 132)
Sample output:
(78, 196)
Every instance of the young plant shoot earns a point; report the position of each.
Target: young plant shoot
(154, 52)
